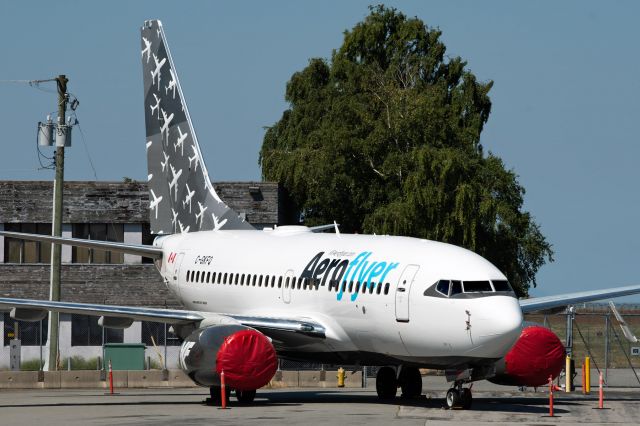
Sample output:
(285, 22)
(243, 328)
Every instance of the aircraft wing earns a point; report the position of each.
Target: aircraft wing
(170, 316)
(550, 302)
(137, 249)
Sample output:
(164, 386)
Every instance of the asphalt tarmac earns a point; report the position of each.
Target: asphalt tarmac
(491, 405)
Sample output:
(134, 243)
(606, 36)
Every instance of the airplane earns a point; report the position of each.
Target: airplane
(216, 224)
(166, 160)
(174, 217)
(153, 205)
(156, 106)
(199, 216)
(180, 141)
(166, 123)
(293, 292)
(174, 180)
(172, 85)
(156, 72)
(183, 229)
(195, 158)
(188, 197)
(147, 48)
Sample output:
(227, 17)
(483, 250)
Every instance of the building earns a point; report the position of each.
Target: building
(113, 211)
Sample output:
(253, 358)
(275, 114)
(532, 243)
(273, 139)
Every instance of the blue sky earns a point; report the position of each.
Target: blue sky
(565, 98)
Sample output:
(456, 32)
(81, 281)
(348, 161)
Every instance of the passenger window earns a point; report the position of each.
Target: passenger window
(208, 280)
(350, 286)
(236, 278)
(379, 288)
(364, 287)
(253, 280)
(280, 281)
(501, 285)
(299, 283)
(456, 287)
(357, 287)
(477, 286)
(442, 287)
(371, 286)
(286, 282)
(386, 288)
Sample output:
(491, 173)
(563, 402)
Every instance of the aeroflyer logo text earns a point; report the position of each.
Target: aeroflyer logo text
(339, 271)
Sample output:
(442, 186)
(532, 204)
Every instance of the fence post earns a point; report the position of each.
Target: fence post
(606, 347)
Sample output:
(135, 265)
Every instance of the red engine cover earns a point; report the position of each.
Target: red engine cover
(248, 360)
(536, 355)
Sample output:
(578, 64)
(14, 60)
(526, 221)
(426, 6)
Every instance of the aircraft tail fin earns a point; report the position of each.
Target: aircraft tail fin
(181, 196)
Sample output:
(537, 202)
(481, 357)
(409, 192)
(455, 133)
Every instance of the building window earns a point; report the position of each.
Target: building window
(85, 331)
(97, 231)
(153, 334)
(28, 332)
(147, 240)
(20, 251)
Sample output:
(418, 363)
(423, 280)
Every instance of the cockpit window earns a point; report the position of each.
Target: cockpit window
(477, 286)
(456, 287)
(443, 287)
(501, 285)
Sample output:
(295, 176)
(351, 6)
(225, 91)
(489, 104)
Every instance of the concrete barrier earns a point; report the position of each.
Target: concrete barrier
(80, 379)
(178, 379)
(51, 380)
(19, 380)
(146, 379)
(314, 379)
(92, 379)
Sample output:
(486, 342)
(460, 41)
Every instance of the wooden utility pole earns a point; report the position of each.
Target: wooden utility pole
(56, 227)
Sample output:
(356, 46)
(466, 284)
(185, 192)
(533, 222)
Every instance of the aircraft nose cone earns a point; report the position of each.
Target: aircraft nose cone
(499, 324)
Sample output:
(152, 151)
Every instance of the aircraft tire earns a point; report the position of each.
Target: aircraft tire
(453, 398)
(386, 383)
(410, 382)
(245, 396)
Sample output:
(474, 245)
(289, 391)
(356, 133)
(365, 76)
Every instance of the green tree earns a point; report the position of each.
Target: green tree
(385, 138)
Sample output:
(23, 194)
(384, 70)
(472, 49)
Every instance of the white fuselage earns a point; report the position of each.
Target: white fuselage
(252, 273)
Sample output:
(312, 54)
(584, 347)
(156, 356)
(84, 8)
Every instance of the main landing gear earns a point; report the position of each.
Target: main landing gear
(459, 397)
(409, 380)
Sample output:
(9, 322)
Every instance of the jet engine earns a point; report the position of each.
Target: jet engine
(537, 354)
(246, 356)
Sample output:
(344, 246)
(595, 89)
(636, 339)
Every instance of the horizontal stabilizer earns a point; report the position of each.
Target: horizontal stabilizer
(136, 249)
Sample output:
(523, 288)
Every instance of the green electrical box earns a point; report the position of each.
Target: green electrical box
(124, 356)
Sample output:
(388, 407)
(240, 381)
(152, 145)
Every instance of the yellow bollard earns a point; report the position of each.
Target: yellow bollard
(340, 377)
(587, 373)
(567, 375)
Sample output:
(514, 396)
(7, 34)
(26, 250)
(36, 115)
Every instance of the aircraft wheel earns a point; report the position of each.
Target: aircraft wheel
(245, 396)
(410, 382)
(466, 398)
(453, 398)
(386, 383)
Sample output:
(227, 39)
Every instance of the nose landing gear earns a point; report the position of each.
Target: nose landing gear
(459, 397)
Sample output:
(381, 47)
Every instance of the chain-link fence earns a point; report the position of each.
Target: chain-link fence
(595, 333)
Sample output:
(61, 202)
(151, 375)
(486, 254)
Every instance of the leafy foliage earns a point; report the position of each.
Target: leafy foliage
(385, 138)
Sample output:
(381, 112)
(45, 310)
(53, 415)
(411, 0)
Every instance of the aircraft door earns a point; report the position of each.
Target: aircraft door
(402, 292)
(286, 286)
